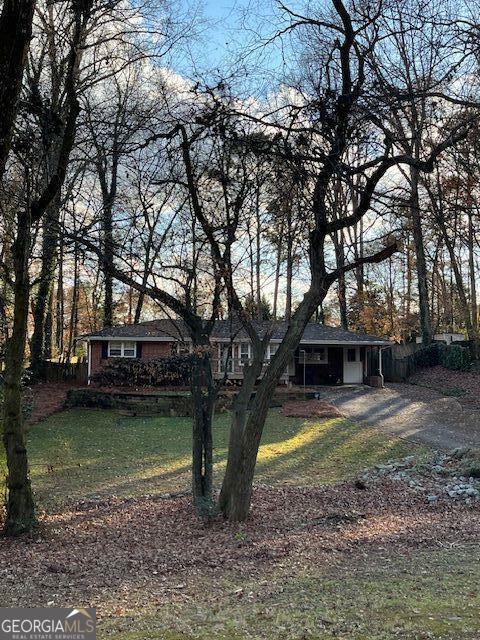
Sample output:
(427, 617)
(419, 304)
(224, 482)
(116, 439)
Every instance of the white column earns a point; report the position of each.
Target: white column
(89, 363)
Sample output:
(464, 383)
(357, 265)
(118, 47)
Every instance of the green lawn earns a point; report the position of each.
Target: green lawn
(83, 453)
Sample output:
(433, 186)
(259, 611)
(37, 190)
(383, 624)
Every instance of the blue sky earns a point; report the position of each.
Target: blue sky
(225, 17)
(227, 29)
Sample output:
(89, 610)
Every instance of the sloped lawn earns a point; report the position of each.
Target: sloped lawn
(84, 454)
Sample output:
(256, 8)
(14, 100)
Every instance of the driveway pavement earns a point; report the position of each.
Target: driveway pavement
(407, 411)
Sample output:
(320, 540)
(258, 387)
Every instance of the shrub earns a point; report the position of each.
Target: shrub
(171, 371)
(427, 356)
(456, 358)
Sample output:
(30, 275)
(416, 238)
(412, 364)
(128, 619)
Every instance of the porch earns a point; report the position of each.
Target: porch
(334, 364)
(312, 364)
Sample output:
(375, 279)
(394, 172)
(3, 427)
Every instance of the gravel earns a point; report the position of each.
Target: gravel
(443, 475)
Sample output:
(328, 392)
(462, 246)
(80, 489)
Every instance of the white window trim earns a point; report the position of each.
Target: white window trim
(324, 360)
(269, 350)
(249, 353)
(122, 344)
(309, 359)
(357, 355)
(179, 346)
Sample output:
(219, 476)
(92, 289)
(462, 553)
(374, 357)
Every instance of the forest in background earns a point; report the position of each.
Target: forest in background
(338, 183)
(123, 189)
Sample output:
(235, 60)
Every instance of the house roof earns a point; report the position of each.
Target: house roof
(166, 329)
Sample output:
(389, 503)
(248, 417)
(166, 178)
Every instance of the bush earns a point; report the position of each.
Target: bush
(172, 371)
(456, 358)
(428, 356)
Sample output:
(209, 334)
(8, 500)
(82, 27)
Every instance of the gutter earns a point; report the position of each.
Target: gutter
(342, 343)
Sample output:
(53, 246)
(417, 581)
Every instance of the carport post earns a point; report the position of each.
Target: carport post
(89, 364)
(304, 364)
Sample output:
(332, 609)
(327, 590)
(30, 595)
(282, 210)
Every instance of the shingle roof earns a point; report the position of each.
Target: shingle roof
(225, 329)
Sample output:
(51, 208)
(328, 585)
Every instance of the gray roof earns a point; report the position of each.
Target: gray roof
(226, 329)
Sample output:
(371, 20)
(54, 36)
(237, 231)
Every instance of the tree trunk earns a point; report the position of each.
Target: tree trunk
(204, 395)
(45, 287)
(237, 429)
(59, 304)
(391, 300)
(107, 265)
(74, 308)
(473, 284)
(421, 263)
(462, 296)
(258, 260)
(15, 32)
(139, 307)
(20, 507)
(277, 273)
(289, 269)
(48, 341)
(243, 448)
(341, 284)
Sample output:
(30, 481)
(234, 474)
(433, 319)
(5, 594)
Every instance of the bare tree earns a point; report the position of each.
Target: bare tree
(20, 515)
(15, 32)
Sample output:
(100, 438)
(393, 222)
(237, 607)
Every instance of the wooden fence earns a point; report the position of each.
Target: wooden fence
(398, 362)
(66, 372)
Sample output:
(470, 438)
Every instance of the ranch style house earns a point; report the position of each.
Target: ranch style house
(326, 355)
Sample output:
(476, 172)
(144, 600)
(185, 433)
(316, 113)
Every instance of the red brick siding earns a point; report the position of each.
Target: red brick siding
(156, 349)
(149, 350)
(95, 357)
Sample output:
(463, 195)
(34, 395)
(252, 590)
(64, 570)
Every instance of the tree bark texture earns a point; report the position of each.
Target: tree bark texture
(20, 504)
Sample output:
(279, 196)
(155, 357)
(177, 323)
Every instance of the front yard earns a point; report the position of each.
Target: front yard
(321, 556)
(85, 453)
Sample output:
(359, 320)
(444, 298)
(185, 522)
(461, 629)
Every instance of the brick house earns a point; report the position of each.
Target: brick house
(326, 355)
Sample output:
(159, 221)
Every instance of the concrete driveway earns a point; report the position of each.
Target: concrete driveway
(411, 412)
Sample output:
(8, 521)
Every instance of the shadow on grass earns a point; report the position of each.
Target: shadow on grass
(85, 453)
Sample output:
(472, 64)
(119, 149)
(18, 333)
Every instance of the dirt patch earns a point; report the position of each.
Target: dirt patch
(47, 399)
(119, 554)
(311, 409)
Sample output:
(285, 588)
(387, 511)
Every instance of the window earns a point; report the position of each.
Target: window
(122, 349)
(319, 354)
(314, 355)
(226, 361)
(352, 355)
(244, 352)
(272, 350)
(182, 348)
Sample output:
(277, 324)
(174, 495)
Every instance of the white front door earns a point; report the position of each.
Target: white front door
(352, 366)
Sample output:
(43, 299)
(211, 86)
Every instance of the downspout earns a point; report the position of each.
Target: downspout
(380, 369)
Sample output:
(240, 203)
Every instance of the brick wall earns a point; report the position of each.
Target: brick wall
(95, 356)
(149, 350)
(156, 349)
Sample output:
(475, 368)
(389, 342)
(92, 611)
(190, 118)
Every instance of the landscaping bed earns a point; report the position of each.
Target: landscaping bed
(166, 402)
(455, 475)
